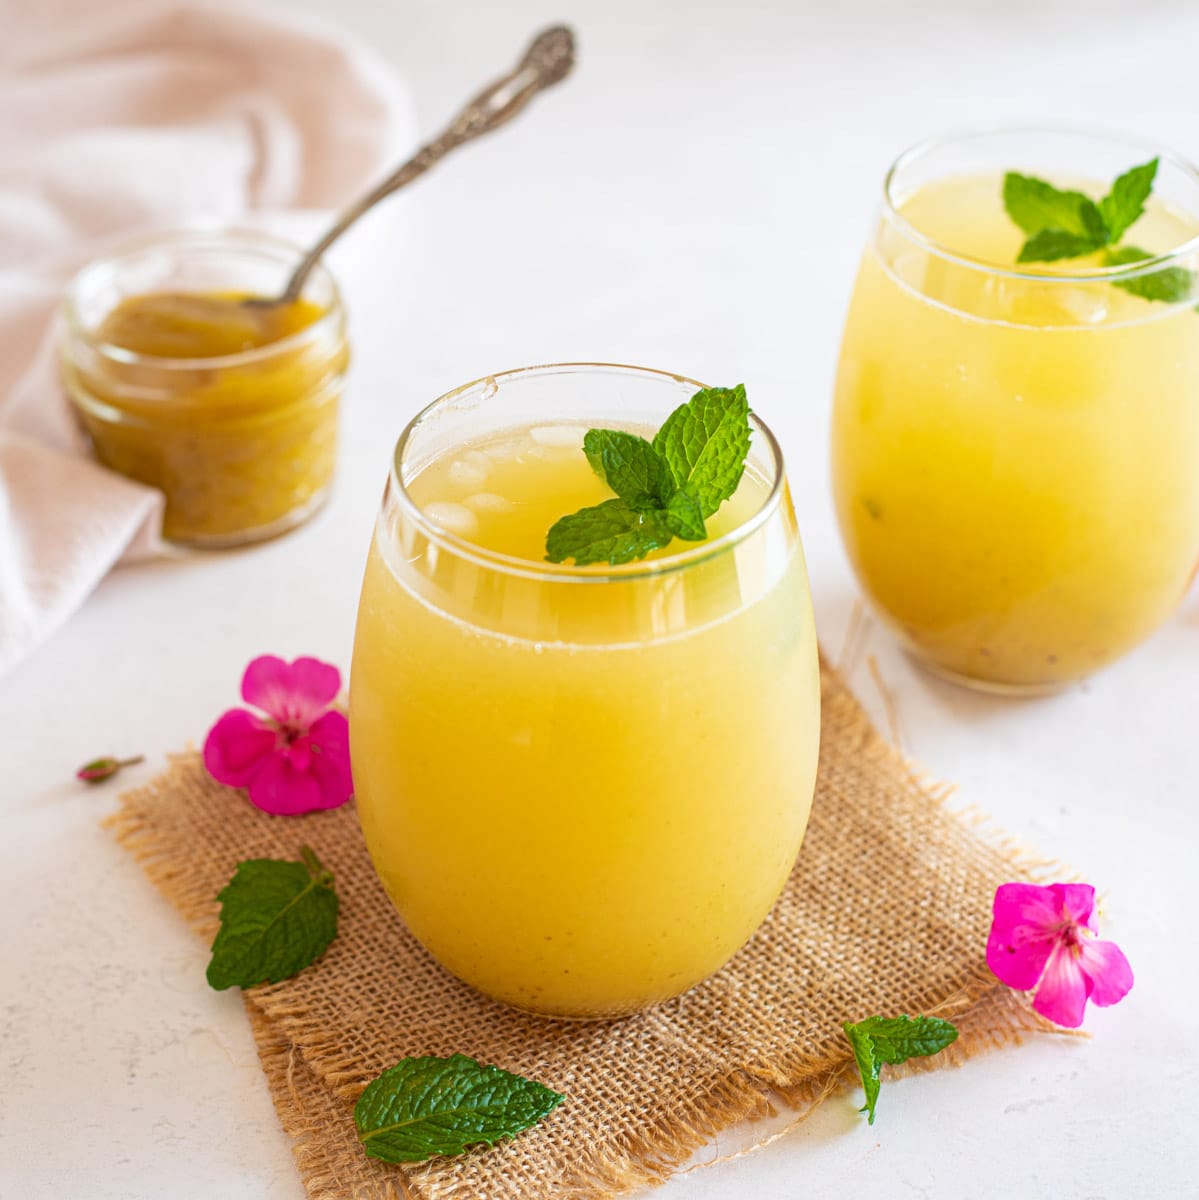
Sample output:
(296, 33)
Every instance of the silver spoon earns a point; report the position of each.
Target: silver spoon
(548, 60)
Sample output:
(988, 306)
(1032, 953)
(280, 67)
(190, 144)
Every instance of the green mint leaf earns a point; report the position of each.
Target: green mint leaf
(1037, 206)
(277, 918)
(705, 442)
(613, 532)
(1124, 256)
(1096, 229)
(868, 1066)
(664, 489)
(594, 451)
(879, 1040)
(896, 1039)
(1170, 284)
(1123, 205)
(633, 469)
(684, 517)
(427, 1106)
(1052, 244)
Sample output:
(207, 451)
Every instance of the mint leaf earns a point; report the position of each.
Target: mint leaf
(705, 442)
(633, 469)
(1036, 206)
(613, 532)
(896, 1039)
(1066, 224)
(1169, 285)
(1125, 203)
(1123, 256)
(665, 488)
(594, 451)
(879, 1040)
(277, 917)
(684, 518)
(427, 1106)
(1052, 244)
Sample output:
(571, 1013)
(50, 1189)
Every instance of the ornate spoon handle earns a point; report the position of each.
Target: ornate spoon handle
(547, 61)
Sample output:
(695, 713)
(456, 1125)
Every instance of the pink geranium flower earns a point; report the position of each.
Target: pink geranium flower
(1044, 937)
(294, 759)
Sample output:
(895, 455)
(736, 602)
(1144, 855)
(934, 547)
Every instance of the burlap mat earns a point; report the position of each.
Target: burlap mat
(886, 912)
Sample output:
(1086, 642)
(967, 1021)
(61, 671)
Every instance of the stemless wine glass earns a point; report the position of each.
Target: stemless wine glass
(582, 787)
(1016, 445)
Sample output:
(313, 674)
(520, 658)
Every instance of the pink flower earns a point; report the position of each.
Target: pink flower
(297, 757)
(1046, 936)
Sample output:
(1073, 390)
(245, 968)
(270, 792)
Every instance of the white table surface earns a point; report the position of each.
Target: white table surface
(696, 198)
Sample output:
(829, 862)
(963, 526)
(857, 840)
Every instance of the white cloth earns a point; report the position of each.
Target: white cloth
(116, 118)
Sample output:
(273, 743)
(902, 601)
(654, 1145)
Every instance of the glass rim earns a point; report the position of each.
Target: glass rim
(509, 564)
(245, 240)
(931, 245)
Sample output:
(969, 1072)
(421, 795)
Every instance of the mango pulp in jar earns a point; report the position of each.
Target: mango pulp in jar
(229, 409)
(583, 795)
(1015, 460)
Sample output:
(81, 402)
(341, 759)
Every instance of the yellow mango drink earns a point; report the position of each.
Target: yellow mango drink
(1016, 440)
(583, 787)
(229, 408)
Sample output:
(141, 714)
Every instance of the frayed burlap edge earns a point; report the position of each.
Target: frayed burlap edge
(321, 1127)
(315, 1109)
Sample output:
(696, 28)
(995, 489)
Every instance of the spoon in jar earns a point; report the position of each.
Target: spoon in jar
(547, 61)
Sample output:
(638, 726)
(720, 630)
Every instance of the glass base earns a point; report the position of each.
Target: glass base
(261, 533)
(990, 687)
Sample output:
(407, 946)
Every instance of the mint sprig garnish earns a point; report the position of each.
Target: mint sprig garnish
(427, 1106)
(1068, 224)
(664, 489)
(1064, 224)
(277, 918)
(879, 1040)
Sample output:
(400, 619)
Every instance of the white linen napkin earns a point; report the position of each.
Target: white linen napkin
(116, 118)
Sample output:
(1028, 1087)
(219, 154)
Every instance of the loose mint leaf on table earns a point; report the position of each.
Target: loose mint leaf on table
(879, 1040)
(277, 918)
(427, 1106)
(706, 442)
(1036, 205)
(1170, 284)
(1122, 207)
(664, 489)
(613, 532)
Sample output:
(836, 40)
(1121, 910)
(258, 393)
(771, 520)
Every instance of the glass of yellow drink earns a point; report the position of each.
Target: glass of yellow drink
(582, 787)
(1016, 444)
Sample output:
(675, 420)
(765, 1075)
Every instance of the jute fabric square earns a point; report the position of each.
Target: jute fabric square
(887, 911)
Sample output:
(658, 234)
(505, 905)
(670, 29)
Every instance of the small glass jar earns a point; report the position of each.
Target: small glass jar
(242, 444)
